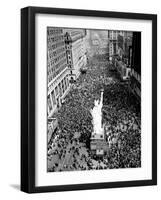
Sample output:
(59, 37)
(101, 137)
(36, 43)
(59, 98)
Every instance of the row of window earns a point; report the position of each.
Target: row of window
(55, 38)
(60, 57)
(54, 67)
(52, 46)
(113, 34)
(76, 55)
(54, 53)
(58, 64)
(76, 32)
(54, 31)
(55, 73)
(77, 36)
(62, 87)
(58, 61)
(59, 90)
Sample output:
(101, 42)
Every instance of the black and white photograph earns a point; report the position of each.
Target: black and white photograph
(93, 99)
(89, 99)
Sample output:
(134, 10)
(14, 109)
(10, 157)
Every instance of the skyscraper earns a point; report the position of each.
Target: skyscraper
(57, 69)
(76, 51)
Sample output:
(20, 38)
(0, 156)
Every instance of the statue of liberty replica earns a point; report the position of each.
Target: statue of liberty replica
(97, 115)
(97, 144)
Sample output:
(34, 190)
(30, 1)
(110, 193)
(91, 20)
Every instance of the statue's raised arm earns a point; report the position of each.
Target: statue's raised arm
(101, 100)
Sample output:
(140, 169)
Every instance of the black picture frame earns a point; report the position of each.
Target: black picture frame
(28, 98)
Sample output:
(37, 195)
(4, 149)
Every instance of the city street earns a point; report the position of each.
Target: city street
(121, 114)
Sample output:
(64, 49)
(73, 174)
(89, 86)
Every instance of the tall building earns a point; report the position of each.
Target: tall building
(76, 51)
(119, 42)
(135, 64)
(124, 42)
(57, 69)
(113, 42)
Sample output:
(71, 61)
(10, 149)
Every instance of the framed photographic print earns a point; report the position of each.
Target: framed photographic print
(88, 99)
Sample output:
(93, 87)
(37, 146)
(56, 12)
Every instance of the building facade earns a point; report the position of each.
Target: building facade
(75, 51)
(113, 42)
(119, 42)
(52, 127)
(124, 42)
(57, 69)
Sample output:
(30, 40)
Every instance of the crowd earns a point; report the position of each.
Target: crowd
(121, 116)
(124, 132)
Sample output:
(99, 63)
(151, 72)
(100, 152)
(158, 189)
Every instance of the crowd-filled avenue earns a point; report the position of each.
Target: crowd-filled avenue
(69, 147)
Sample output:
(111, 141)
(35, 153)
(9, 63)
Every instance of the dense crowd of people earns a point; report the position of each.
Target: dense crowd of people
(121, 116)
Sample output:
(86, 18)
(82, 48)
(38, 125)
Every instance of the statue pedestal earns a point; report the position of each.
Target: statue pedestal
(98, 143)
